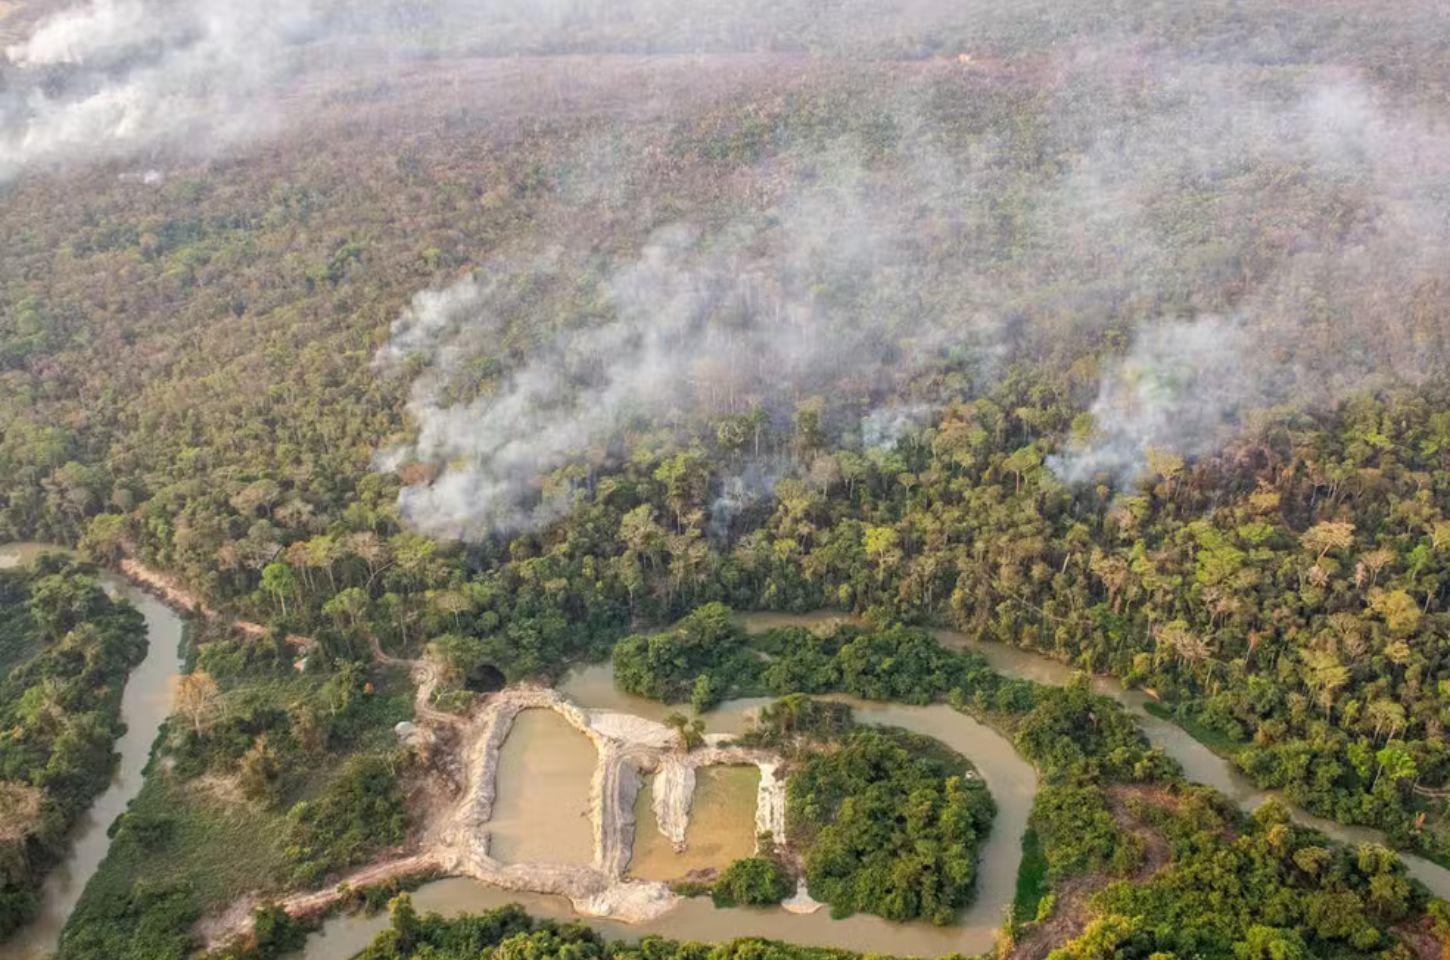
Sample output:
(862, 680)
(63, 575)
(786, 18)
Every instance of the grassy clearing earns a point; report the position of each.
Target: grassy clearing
(182, 833)
(192, 842)
(1031, 880)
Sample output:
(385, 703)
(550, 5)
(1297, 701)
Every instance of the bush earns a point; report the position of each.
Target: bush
(752, 882)
(360, 813)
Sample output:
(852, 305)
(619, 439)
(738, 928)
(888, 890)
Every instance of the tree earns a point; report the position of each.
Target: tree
(1396, 764)
(280, 580)
(197, 698)
(1271, 943)
(1400, 611)
(883, 548)
(686, 479)
(752, 882)
(1324, 537)
(261, 772)
(1326, 675)
(1386, 715)
(691, 732)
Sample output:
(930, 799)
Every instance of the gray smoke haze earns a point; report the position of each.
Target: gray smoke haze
(1340, 311)
(108, 79)
(703, 324)
(119, 77)
(1253, 217)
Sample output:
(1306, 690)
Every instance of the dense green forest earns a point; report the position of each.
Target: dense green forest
(891, 825)
(1110, 330)
(66, 649)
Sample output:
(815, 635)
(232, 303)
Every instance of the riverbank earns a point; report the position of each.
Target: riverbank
(1200, 761)
(456, 838)
(145, 705)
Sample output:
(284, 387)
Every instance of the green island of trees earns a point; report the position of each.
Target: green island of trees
(752, 882)
(892, 824)
(188, 380)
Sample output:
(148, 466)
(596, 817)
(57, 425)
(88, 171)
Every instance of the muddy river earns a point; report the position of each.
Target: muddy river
(551, 823)
(144, 705)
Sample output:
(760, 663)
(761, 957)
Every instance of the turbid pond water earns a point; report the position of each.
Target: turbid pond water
(551, 824)
(541, 810)
(721, 828)
(144, 705)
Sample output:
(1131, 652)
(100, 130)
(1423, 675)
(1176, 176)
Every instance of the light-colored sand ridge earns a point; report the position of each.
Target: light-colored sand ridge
(456, 840)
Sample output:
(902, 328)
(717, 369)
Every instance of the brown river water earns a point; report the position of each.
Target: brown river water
(550, 823)
(144, 705)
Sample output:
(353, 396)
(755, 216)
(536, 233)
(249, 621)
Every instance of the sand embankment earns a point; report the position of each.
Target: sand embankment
(456, 838)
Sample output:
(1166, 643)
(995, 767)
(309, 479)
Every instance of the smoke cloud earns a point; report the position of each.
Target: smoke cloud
(120, 77)
(1240, 219)
(109, 79)
(1252, 251)
(703, 325)
(1180, 388)
(1343, 305)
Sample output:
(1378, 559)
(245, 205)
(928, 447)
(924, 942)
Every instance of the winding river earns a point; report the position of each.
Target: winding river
(1011, 780)
(1200, 764)
(144, 705)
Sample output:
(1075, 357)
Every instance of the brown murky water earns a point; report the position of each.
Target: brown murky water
(541, 811)
(593, 686)
(144, 705)
(721, 828)
(695, 920)
(1011, 780)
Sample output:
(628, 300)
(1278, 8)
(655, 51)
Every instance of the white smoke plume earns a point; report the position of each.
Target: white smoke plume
(885, 427)
(1180, 388)
(833, 292)
(119, 77)
(704, 324)
(1340, 310)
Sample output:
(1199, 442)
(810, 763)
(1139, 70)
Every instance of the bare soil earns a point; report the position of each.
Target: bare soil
(1072, 910)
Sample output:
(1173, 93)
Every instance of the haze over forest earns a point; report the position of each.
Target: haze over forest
(859, 265)
(424, 351)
